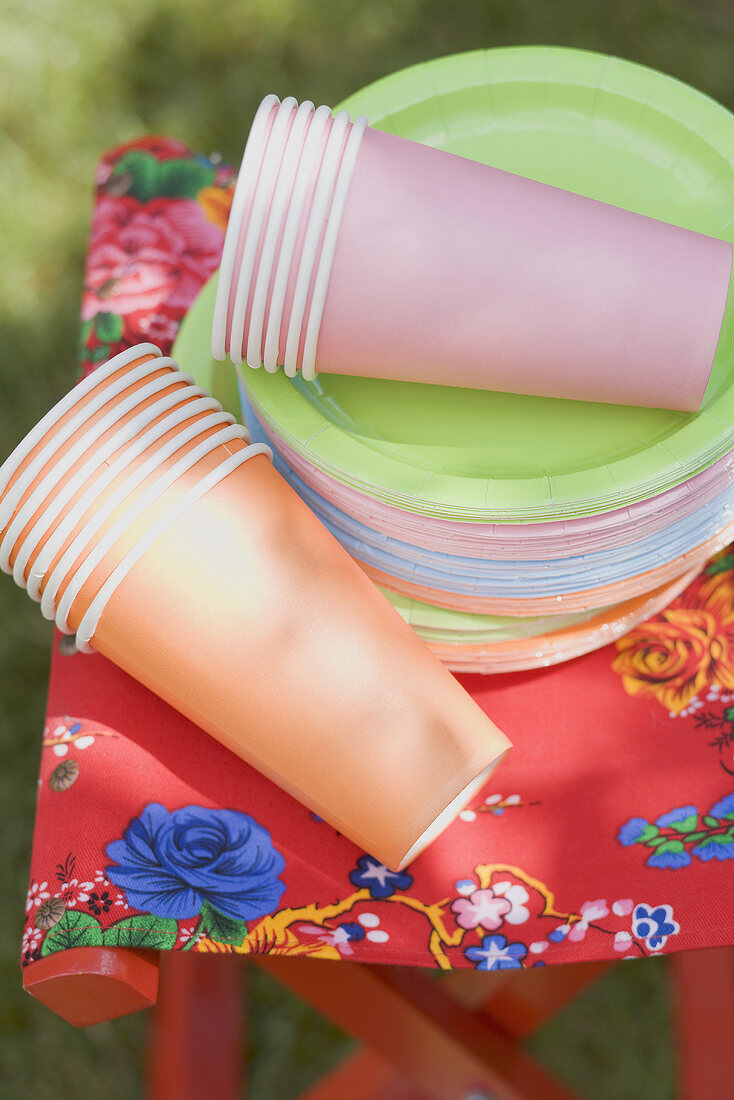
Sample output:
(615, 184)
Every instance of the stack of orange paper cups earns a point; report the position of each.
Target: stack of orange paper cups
(144, 520)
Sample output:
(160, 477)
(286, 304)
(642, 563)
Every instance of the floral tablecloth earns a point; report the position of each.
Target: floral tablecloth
(608, 832)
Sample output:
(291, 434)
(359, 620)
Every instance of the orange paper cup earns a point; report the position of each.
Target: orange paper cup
(144, 521)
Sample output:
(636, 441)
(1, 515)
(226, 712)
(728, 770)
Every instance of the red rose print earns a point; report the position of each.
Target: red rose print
(143, 256)
(159, 328)
(162, 148)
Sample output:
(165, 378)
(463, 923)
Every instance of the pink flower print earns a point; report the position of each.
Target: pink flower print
(517, 895)
(481, 908)
(142, 255)
(340, 937)
(73, 892)
(622, 941)
(590, 911)
(37, 893)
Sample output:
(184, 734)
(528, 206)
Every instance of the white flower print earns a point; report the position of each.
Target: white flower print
(73, 892)
(37, 893)
(186, 934)
(517, 896)
(31, 939)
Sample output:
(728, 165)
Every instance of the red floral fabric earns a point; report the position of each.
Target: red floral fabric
(608, 832)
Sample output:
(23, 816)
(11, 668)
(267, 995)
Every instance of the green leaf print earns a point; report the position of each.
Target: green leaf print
(686, 826)
(183, 179)
(144, 930)
(142, 176)
(721, 566)
(75, 929)
(108, 327)
(672, 846)
(222, 928)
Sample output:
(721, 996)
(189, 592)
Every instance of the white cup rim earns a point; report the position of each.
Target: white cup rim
(253, 149)
(288, 185)
(130, 443)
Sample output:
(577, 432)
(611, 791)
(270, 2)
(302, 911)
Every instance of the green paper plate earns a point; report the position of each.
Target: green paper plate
(596, 125)
(436, 624)
(443, 626)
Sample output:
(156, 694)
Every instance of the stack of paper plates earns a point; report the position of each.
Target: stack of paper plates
(525, 530)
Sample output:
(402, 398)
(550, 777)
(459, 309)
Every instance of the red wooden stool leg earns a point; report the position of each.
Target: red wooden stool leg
(86, 985)
(196, 1038)
(703, 1001)
(473, 988)
(363, 1076)
(519, 1003)
(447, 1051)
(532, 997)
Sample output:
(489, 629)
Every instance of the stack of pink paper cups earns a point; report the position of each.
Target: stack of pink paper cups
(353, 251)
(282, 233)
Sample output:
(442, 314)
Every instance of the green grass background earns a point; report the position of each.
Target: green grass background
(77, 76)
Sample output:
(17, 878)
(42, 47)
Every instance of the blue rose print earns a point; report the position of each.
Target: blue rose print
(678, 816)
(654, 923)
(714, 847)
(378, 879)
(724, 808)
(664, 857)
(172, 863)
(631, 831)
(497, 954)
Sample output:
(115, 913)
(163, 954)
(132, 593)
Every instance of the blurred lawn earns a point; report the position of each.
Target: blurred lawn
(79, 76)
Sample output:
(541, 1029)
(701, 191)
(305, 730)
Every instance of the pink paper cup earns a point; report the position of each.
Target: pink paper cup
(353, 251)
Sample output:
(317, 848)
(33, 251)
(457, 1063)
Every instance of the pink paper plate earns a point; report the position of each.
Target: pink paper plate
(547, 605)
(557, 539)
